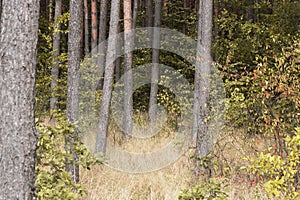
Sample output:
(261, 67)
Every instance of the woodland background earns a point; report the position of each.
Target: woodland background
(255, 45)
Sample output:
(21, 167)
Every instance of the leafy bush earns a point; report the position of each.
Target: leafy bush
(280, 173)
(52, 179)
(214, 189)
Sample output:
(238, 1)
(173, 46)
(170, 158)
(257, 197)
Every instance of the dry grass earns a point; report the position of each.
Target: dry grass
(231, 147)
(105, 183)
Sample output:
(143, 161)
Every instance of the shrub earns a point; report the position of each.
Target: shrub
(52, 179)
(280, 173)
(213, 189)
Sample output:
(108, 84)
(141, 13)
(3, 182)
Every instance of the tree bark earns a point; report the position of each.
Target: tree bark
(50, 10)
(18, 136)
(108, 78)
(185, 15)
(143, 7)
(128, 42)
(94, 26)
(135, 14)
(0, 12)
(86, 27)
(102, 38)
(150, 16)
(73, 75)
(56, 52)
(202, 78)
(155, 63)
(118, 61)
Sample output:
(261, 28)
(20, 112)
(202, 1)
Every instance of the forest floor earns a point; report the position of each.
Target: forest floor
(230, 154)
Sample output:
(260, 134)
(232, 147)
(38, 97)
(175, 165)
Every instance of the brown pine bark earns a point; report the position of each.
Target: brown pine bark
(18, 136)
(50, 10)
(86, 27)
(94, 26)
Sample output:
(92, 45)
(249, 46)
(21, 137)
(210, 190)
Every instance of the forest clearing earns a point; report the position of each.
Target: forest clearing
(149, 99)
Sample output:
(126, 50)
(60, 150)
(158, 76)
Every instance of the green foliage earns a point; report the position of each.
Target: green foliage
(52, 179)
(259, 68)
(45, 60)
(173, 17)
(266, 100)
(280, 172)
(213, 189)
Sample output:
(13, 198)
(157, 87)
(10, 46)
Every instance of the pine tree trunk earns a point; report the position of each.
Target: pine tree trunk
(128, 42)
(86, 27)
(108, 79)
(102, 38)
(18, 136)
(155, 63)
(56, 52)
(143, 7)
(94, 26)
(135, 13)
(73, 75)
(118, 61)
(185, 15)
(50, 10)
(202, 78)
(150, 16)
(0, 12)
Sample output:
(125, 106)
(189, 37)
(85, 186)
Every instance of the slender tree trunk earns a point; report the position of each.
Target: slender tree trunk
(50, 10)
(108, 78)
(143, 7)
(149, 13)
(56, 52)
(150, 16)
(82, 50)
(135, 13)
(215, 31)
(134, 20)
(102, 38)
(118, 61)
(73, 75)
(185, 15)
(128, 42)
(18, 137)
(0, 12)
(202, 78)
(86, 27)
(94, 26)
(155, 62)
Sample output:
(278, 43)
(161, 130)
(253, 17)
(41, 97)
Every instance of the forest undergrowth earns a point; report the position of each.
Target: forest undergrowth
(228, 161)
